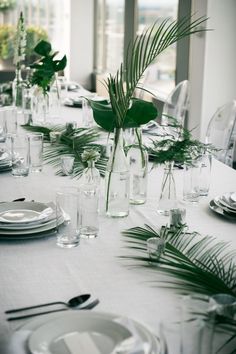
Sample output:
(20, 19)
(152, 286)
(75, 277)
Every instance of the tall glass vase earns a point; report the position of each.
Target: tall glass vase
(167, 200)
(17, 89)
(117, 179)
(40, 107)
(138, 162)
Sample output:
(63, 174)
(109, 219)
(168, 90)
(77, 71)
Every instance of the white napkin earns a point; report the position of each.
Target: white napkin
(134, 344)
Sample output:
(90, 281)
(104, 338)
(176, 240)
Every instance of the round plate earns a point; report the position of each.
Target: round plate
(223, 205)
(142, 331)
(54, 335)
(23, 212)
(220, 211)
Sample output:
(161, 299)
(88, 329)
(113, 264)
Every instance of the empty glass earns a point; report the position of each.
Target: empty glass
(20, 154)
(67, 212)
(191, 191)
(87, 113)
(155, 247)
(36, 151)
(67, 164)
(3, 126)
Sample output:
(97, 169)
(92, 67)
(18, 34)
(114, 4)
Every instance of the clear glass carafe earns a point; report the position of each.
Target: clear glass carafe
(117, 179)
(138, 163)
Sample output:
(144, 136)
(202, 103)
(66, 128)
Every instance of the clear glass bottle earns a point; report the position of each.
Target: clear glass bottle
(205, 174)
(88, 201)
(17, 89)
(27, 105)
(117, 179)
(138, 162)
(167, 200)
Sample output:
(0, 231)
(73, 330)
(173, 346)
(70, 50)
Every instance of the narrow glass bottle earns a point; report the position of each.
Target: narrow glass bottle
(117, 179)
(138, 162)
(88, 202)
(17, 89)
(167, 200)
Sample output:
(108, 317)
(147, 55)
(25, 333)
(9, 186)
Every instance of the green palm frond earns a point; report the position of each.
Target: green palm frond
(72, 142)
(140, 55)
(193, 265)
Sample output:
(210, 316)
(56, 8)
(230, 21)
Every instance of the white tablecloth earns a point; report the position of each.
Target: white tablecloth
(38, 271)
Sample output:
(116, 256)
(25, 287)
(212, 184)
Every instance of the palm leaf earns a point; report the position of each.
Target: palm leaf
(193, 265)
(140, 55)
(72, 142)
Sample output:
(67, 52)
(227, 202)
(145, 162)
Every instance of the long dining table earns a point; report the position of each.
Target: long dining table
(36, 270)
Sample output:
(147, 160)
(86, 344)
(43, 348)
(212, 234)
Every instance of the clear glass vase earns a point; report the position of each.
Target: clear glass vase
(17, 89)
(167, 200)
(27, 105)
(40, 107)
(138, 163)
(89, 200)
(117, 179)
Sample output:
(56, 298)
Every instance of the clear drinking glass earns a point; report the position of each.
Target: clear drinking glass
(67, 212)
(67, 164)
(3, 125)
(191, 191)
(36, 151)
(87, 113)
(20, 154)
(27, 105)
(167, 200)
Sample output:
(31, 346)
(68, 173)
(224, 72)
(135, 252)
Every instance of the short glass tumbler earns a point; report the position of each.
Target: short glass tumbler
(67, 164)
(36, 151)
(19, 147)
(67, 213)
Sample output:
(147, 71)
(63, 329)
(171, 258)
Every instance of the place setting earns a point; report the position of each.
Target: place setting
(225, 205)
(27, 219)
(83, 331)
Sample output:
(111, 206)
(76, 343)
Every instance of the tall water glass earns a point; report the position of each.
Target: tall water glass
(67, 212)
(36, 151)
(3, 126)
(20, 154)
(191, 191)
(11, 119)
(87, 114)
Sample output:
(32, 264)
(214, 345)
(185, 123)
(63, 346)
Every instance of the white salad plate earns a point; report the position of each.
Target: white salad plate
(24, 212)
(219, 210)
(59, 333)
(223, 205)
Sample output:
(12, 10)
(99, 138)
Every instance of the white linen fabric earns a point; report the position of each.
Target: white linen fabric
(37, 271)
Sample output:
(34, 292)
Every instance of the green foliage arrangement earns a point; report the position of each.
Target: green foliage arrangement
(124, 110)
(72, 142)
(7, 4)
(178, 146)
(33, 35)
(46, 67)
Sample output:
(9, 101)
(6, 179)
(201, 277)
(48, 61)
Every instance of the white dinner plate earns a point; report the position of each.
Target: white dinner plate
(24, 212)
(223, 205)
(144, 334)
(217, 209)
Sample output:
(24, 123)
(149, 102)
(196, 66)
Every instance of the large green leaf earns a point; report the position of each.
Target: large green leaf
(43, 48)
(103, 115)
(141, 112)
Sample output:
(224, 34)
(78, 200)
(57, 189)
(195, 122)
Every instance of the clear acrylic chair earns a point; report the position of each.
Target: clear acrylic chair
(177, 104)
(221, 132)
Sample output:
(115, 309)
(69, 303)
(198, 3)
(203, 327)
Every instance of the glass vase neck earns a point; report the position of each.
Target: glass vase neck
(91, 163)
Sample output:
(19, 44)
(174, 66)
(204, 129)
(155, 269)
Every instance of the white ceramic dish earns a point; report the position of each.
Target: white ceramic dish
(143, 332)
(24, 212)
(217, 209)
(223, 205)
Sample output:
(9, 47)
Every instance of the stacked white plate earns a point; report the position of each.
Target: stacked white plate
(5, 161)
(24, 220)
(225, 205)
(88, 333)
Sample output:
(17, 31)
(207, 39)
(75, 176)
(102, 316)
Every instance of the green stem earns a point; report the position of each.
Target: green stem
(139, 138)
(116, 140)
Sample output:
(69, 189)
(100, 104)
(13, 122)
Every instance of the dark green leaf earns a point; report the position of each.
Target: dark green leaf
(43, 48)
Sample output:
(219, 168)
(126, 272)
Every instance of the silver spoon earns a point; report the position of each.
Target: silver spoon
(89, 306)
(74, 302)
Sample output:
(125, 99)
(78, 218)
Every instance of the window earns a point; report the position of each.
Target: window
(111, 33)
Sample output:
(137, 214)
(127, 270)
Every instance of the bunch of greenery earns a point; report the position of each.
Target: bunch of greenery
(46, 67)
(178, 146)
(7, 4)
(33, 35)
(124, 110)
(193, 263)
(73, 142)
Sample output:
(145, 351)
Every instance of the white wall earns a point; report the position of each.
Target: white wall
(212, 62)
(80, 65)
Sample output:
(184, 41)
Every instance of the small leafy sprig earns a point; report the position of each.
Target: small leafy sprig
(20, 42)
(46, 67)
(90, 155)
(178, 146)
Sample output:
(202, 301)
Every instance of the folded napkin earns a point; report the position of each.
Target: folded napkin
(230, 202)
